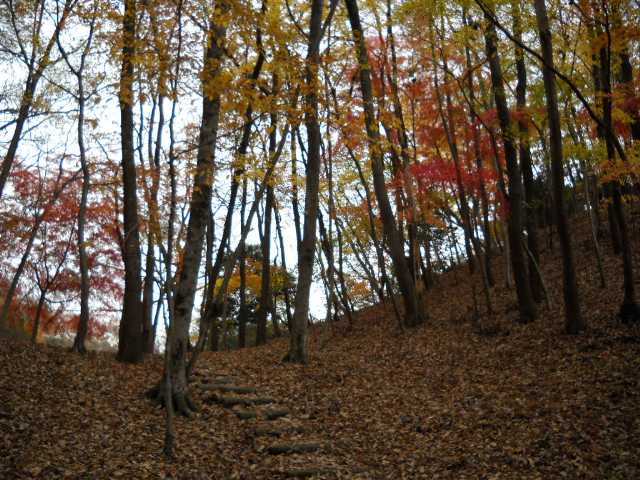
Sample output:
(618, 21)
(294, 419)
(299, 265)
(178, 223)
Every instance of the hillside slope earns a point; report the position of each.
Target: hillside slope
(440, 401)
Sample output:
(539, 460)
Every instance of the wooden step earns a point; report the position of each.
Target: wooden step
(276, 430)
(267, 432)
(246, 414)
(220, 381)
(275, 413)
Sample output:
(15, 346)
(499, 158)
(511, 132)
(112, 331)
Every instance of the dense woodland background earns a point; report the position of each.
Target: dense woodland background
(181, 176)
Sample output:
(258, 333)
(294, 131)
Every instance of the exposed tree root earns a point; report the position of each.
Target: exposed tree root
(182, 402)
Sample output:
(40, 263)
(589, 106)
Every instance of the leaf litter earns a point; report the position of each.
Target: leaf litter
(446, 400)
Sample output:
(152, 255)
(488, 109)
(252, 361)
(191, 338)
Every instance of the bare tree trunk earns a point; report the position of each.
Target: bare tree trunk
(83, 322)
(525, 160)
(484, 202)
(242, 310)
(629, 310)
(287, 300)
(298, 349)
(525, 301)
(169, 439)
(36, 319)
(574, 322)
(265, 283)
(414, 310)
(200, 201)
(294, 189)
(169, 432)
(130, 348)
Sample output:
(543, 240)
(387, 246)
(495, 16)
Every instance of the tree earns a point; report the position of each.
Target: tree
(525, 300)
(265, 290)
(414, 314)
(574, 322)
(298, 350)
(81, 97)
(531, 197)
(36, 59)
(130, 347)
(176, 372)
(44, 193)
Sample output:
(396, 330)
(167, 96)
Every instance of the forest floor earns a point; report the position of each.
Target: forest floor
(440, 401)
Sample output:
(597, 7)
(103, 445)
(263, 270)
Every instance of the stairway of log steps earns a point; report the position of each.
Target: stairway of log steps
(287, 445)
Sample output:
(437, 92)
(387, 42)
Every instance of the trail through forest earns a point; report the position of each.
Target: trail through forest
(449, 399)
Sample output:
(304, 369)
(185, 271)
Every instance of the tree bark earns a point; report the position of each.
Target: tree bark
(83, 322)
(526, 304)
(525, 161)
(242, 310)
(629, 310)
(574, 322)
(130, 348)
(265, 280)
(287, 300)
(298, 349)
(414, 310)
(484, 201)
(200, 200)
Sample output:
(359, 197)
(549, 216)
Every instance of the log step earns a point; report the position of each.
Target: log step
(267, 432)
(285, 448)
(275, 413)
(246, 414)
(221, 381)
(275, 431)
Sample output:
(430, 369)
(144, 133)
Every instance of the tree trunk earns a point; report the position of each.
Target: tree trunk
(629, 310)
(294, 189)
(525, 301)
(265, 280)
(414, 314)
(36, 319)
(525, 161)
(574, 322)
(242, 310)
(200, 200)
(484, 201)
(287, 300)
(83, 322)
(130, 348)
(298, 349)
